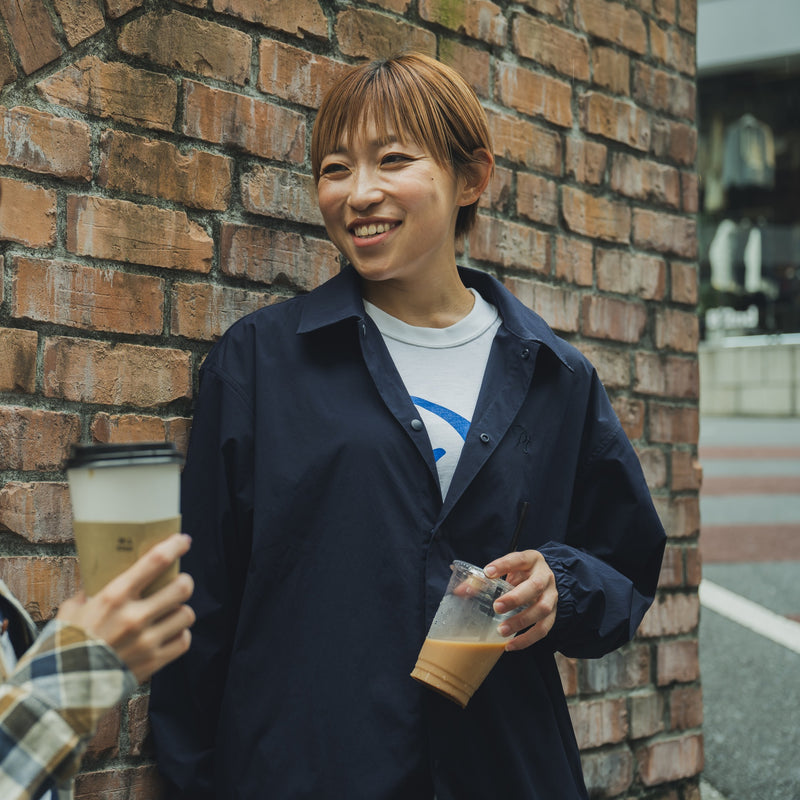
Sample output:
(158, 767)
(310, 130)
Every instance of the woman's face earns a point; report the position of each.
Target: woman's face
(390, 208)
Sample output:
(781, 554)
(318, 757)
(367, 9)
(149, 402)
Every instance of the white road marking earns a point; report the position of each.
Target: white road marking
(750, 615)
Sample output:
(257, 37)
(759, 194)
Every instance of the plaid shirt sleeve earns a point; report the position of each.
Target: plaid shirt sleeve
(50, 707)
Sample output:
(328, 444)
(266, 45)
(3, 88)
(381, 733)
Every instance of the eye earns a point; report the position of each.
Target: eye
(393, 159)
(332, 168)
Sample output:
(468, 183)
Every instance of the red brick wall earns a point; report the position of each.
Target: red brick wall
(154, 187)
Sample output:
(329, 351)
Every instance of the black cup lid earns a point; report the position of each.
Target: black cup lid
(122, 455)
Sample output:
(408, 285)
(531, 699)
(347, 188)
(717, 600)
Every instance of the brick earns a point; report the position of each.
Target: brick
(80, 19)
(248, 124)
(32, 32)
(595, 217)
(694, 567)
(573, 263)
(537, 198)
(38, 142)
(369, 34)
(631, 416)
(687, 15)
(649, 181)
(612, 318)
(525, 143)
(664, 761)
(113, 90)
(298, 18)
(685, 708)
(632, 274)
(296, 75)
(665, 233)
(676, 141)
(32, 439)
(673, 424)
(646, 715)
(269, 256)
(8, 72)
(121, 783)
(671, 574)
(478, 19)
(204, 312)
(687, 472)
(83, 297)
(119, 8)
(534, 94)
(661, 375)
(677, 330)
(599, 722)
(552, 8)
(510, 244)
(139, 726)
(551, 46)
(673, 48)
(689, 192)
(140, 428)
(664, 91)
(677, 662)
(671, 615)
(568, 673)
(607, 773)
(613, 22)
(39, 512)
(615, 119)
(665, 10)
(156, 168)
(611, 70)
(88, 371)
(27, 213)
(498, 193)
(275, 192)
(654, 467)
(105, 742)
(18, 360)
(626, 668)
(585, 161)
(123, 231)
(184, 42)
(612, 364)
(398, 6)
(473, 65)
(40, 583)
(558, 307)
(679, 515)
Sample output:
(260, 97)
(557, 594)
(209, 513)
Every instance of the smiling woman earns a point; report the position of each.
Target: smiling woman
(348, 446)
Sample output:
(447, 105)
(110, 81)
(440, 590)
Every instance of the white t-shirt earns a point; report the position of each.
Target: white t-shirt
(442, 369)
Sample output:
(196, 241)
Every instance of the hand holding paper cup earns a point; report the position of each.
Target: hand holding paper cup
(463, 643)
(125, 499)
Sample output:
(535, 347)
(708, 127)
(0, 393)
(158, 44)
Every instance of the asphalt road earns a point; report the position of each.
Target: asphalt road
(750, 652)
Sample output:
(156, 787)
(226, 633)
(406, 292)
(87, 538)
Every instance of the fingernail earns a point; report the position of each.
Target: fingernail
(499, 607)
(504, 630)
(490, 572)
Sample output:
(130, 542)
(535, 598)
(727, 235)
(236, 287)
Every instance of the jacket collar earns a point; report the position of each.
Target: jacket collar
(340, 298)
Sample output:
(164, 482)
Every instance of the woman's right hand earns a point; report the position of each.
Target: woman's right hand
(145, 632)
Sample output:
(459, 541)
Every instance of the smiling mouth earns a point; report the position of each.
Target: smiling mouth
(373, 229)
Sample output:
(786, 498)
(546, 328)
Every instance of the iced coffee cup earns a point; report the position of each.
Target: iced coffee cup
(463, 643)
(125, 499)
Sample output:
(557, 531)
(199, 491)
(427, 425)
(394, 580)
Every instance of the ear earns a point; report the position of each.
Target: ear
(476, 177)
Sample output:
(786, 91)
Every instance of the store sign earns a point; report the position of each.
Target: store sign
(726, 318)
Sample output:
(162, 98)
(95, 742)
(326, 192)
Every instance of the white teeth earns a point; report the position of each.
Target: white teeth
(370, 230)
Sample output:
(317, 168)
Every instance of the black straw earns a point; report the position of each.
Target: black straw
(515, 538)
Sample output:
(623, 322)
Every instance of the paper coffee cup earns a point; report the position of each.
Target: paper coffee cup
(125, 499)
(463, 642)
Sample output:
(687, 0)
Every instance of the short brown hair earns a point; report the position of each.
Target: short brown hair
(412, 95)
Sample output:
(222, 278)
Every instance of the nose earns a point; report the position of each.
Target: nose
(365, 189)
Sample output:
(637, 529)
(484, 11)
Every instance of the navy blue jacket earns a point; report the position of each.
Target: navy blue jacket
(322, 547)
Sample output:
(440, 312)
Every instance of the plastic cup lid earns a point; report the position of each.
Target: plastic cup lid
(122, 455)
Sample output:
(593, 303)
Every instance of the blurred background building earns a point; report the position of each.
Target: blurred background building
(748, 86)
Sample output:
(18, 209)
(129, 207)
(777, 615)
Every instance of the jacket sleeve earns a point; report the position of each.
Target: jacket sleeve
(607, 567)
(216, 505)
(51, 705)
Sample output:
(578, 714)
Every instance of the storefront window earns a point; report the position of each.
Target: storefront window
(749, 219)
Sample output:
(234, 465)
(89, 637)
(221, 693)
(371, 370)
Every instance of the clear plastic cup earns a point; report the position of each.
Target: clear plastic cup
(125, 499)
(463, 642)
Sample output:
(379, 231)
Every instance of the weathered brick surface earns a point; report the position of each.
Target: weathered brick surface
(155, 187)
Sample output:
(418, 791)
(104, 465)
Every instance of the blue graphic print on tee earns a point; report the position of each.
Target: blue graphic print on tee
(456, 421)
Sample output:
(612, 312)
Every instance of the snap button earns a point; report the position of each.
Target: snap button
(485, 438)
(416, 424)
(525, 352)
